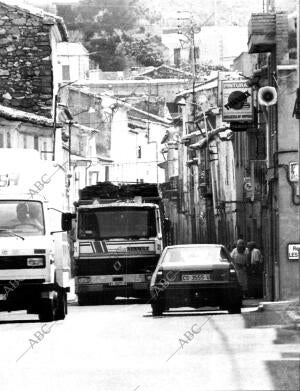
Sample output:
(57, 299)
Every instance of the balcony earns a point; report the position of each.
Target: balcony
(261, 33)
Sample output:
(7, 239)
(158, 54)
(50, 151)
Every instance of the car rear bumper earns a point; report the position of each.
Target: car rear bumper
(196, 295)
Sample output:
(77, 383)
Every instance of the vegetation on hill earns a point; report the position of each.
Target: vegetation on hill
(114, 32)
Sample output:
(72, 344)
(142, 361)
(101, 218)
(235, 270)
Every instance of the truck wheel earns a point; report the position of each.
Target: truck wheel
(61, 306)
(107, 298)
(48, 310)
(82, 299)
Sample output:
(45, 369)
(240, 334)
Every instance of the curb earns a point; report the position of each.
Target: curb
(290, 308)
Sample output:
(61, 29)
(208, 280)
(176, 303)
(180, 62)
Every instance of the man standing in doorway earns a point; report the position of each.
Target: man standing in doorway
(255, 271)
(240, 260)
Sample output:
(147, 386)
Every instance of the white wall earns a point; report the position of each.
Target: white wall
(217, 45)
(78, 67)
(127, 166)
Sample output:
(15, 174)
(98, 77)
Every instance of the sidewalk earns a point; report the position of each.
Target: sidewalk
(287, 311)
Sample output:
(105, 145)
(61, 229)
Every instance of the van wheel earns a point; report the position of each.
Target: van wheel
(48, 309)
(61, 306)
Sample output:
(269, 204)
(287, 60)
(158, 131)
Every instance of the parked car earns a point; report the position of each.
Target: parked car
(195, 275)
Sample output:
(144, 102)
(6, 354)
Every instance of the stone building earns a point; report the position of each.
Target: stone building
(28, 59)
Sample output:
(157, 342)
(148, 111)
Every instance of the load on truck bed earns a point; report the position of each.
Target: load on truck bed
(34, 247)
(119, 237)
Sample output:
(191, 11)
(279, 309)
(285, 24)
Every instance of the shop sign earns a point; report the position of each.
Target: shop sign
(237, 101)
(293, 171)
(293, 251)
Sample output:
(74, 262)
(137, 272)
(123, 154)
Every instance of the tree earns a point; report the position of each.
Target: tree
(107, 28)
(145, 48)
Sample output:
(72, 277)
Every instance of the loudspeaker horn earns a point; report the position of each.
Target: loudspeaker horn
(267, 96)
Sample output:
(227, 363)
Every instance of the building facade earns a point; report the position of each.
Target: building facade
(277, 135)
(28, 58)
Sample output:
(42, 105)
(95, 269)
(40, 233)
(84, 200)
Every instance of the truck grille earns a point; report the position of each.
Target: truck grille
(17, 262)
(100, 266)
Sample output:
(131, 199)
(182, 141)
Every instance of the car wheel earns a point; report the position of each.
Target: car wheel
(157, 309)
(235, 308)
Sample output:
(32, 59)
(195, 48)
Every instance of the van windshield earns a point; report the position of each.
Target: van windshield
(21, 217)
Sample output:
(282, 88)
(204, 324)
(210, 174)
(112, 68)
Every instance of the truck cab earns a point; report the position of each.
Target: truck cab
(34, 243)
(117, 241)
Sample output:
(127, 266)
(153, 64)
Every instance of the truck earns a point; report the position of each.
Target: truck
(119, 234)
(34, 244)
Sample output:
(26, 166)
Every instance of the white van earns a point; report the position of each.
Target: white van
(34, 245)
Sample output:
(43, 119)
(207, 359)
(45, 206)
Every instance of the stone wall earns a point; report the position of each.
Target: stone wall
(26, 81)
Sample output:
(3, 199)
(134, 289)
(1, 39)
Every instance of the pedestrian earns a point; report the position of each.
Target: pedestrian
(255, 271)
(240, 260)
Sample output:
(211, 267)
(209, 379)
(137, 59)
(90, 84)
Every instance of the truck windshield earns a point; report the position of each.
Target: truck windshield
(108, 223)
(21, 217)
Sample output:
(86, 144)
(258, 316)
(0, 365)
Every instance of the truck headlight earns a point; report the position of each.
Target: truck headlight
(35, 261)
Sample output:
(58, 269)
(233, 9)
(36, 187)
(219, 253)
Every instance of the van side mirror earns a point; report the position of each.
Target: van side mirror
(66, 221)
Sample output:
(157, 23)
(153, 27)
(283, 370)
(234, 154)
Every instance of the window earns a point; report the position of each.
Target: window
(116, 222)
(24, 141)
(22, 217)
(8, 140)
(93, 177)
(66, 72)
(36, 143)
(196, 53)
(193, 255)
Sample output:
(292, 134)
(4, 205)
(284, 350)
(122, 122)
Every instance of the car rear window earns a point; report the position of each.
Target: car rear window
(195, 255)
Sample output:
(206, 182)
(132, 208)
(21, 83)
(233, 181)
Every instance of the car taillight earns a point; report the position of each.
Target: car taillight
(159, 276)
(232, 274)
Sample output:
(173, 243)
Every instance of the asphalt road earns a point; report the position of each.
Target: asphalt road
(122, 347)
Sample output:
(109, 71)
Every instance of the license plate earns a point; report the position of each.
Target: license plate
(114, 283)
(195, 277)
(2, 297)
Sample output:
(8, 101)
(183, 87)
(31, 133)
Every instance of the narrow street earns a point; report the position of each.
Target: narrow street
(97, 348)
